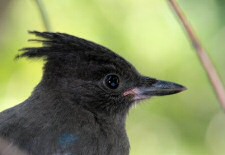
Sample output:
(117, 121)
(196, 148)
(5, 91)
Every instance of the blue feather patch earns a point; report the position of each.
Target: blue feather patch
(67, 140)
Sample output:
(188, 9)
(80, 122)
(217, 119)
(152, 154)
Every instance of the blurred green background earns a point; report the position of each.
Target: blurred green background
(146, 33)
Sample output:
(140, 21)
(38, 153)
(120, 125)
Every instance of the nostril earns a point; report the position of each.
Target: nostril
(148, 81)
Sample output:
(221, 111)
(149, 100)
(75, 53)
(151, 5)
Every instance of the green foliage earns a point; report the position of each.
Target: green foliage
(148, 35)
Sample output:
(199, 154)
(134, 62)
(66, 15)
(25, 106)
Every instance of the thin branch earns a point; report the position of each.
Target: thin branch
(204, 58)
(44, 15)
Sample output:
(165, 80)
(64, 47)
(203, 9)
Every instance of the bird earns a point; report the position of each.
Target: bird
(81, 103)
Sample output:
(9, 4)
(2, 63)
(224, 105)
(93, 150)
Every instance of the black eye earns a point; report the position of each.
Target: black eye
(112, 81)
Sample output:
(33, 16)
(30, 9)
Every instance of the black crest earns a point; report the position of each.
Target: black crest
(59, 45)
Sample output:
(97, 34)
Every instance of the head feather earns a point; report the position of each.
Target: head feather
(59, 45)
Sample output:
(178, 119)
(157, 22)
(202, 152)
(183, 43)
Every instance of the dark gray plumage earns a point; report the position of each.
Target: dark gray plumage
(81, 103)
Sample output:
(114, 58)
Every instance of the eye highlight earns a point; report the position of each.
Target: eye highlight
(112, 81)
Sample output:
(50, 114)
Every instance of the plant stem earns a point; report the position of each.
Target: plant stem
(44, 15)
(202, 55)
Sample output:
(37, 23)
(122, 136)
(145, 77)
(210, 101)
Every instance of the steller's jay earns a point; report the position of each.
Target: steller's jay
(81, 103)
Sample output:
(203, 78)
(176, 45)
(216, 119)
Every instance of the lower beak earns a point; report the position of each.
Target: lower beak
(159, 88)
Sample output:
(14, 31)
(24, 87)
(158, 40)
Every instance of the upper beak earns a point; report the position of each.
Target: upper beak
(161, 88)
(158, 88)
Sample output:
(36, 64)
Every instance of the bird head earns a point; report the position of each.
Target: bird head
(93, 76)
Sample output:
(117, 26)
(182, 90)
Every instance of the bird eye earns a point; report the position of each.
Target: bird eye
(112, 81)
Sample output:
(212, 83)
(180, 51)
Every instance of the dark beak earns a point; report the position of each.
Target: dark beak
(162, 88)
(152, 87)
